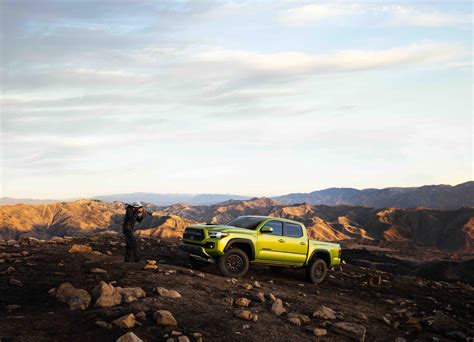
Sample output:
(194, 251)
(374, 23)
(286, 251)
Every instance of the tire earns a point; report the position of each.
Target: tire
(316, 271)
(234, 263)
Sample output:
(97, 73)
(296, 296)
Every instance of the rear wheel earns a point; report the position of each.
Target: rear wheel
(316, 271)
(234, 263)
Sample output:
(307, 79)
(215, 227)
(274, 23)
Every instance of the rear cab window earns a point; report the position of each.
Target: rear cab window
(292, 230)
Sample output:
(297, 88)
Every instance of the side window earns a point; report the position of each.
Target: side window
(277, 227)
(293, 230)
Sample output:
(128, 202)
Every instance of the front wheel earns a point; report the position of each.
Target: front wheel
(234, 263)
(316, 271)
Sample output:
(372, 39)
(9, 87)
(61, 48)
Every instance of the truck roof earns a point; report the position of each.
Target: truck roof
(273, 218)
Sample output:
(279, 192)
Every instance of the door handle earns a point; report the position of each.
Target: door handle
(302, 243)
(281, 240)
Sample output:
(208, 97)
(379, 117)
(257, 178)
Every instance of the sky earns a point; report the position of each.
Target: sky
(255, 98)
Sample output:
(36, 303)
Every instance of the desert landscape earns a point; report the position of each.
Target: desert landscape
(407, 275)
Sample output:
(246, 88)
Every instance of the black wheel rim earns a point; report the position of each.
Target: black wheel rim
(318, 271)
(234, 263)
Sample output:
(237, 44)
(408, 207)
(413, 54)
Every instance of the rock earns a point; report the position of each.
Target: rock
(298, 319)
(151, 262)
(125, 322)
(76, 248)
(400, 339)
(261, 297)
(257, 284)
(106, 295)
(129, 337)
(245, 314)
(12, 307)
(24, 253)
(164, 317)
(320, 332)
(278, 308)
(16, 282)
(389, 301)
(351, 330)
(323, 312)
(11, 242)
(75, 299)
(242, 302)
(2, 261)
(183, 338)
(8, 270)
(200, 275)
(109, 253)
(167, 293)
(247, 286)
(2, 242)
(98, 271)
(140, 315)
(150, 267)
(103, 324)
(131, 294)
(362, 316)
(443, 323)
(97, 253)
(271, 297)
(58, 239)
(412, 321)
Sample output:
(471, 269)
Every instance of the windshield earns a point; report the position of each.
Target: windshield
(247, 222)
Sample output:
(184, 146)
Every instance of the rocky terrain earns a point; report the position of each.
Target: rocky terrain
(447, 230)
(79, 289)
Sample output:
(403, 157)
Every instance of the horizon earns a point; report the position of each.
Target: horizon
(194, 97)
(74, 198)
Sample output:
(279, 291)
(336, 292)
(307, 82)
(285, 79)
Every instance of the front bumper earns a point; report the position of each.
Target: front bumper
(207, 249)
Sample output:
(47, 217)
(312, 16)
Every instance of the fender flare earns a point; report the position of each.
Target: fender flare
(324, 251)
(241, 240)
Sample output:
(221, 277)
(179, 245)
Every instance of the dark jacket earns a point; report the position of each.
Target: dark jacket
(131, 216)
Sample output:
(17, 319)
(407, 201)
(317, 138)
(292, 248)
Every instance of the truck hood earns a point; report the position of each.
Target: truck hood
(221, 228)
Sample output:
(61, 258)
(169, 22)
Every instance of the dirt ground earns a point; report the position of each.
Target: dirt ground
(206, 303)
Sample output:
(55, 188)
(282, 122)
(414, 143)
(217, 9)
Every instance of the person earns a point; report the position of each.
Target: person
(133, 213)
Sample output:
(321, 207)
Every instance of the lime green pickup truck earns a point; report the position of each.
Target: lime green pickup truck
(264, 240)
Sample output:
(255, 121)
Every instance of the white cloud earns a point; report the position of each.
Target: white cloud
(399, 15)
(409, 16)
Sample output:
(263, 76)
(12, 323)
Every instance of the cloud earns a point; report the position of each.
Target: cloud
(369, 14)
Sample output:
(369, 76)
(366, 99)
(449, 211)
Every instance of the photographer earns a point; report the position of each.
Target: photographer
(134, 213)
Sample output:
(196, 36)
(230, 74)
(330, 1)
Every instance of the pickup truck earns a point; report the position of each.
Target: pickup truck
(264, 240)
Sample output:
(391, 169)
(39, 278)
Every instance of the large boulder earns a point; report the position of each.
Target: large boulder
(129, 337)
(76, 248)
(350, 330)
(167, 293)
(125, 322)
(131, 294)
(76, 299)
(106, 295)
(323, 312)
(164, 317)
(278, 308)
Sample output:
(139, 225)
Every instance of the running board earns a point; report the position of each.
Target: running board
(200, 258)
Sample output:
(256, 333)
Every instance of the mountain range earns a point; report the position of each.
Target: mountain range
(428, 196)
(449, 230)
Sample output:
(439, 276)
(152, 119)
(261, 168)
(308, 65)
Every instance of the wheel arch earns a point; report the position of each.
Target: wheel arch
(244, 244)
(321, 254)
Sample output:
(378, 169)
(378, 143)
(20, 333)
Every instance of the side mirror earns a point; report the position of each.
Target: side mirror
(266, 229)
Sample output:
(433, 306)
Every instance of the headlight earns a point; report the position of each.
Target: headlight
(217, 235)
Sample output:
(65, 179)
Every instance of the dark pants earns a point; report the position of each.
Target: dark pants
(131, 248)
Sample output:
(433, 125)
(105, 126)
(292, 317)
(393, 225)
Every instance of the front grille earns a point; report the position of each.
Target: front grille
(193, 234)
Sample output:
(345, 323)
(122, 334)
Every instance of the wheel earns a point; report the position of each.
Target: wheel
(316, 271)
(234, 263)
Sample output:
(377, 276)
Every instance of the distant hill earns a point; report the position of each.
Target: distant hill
(428, 196)
(450, 230)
